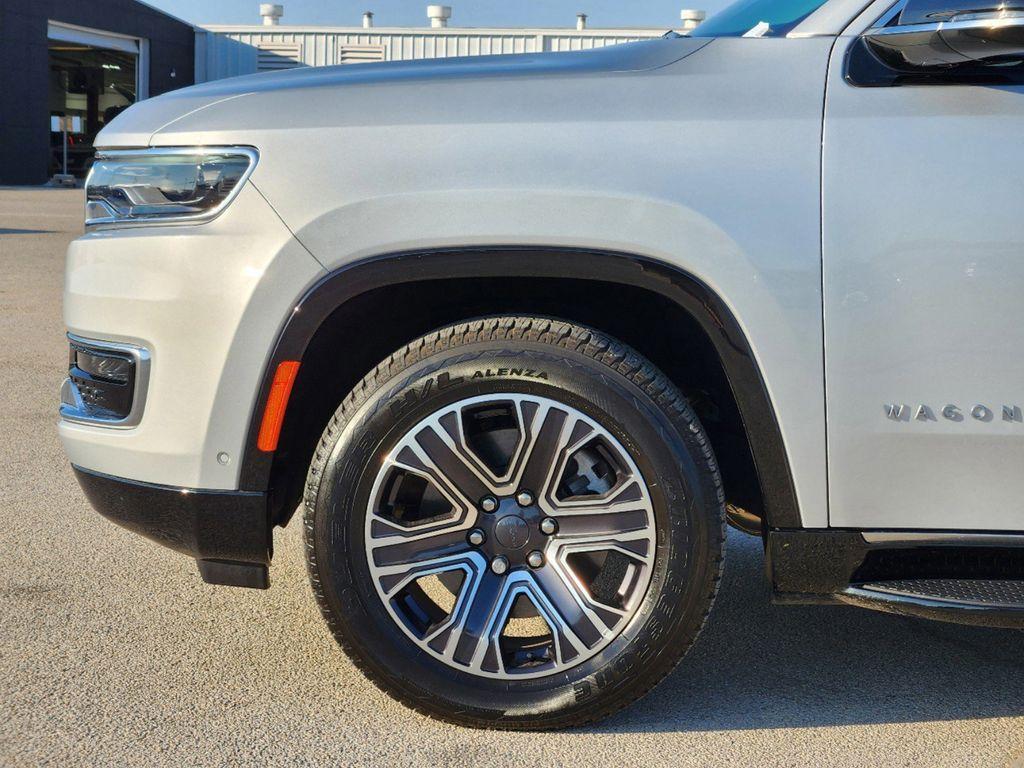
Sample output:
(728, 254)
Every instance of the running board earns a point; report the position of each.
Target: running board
(983, 602)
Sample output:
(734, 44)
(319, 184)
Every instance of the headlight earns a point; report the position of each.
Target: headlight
(164, 186)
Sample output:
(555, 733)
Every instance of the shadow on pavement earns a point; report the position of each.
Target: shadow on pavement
(758, 665)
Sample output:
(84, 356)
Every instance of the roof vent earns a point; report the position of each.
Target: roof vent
(691, 18)
(271, 13)
(439, 15)
(367, 19)
(271, 56)
(359, 54)
(581, 21)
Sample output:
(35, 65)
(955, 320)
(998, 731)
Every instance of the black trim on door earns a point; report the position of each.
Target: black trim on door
(689, 293)
(865, 70)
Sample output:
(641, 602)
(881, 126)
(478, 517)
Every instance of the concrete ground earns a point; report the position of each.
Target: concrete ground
(113, 652)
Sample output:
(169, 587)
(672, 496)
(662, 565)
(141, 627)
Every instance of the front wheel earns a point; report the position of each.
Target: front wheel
(515, 522)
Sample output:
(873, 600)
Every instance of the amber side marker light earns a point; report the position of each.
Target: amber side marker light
(277, 402)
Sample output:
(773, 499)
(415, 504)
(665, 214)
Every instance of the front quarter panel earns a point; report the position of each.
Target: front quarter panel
(207, 301)
(710, 164)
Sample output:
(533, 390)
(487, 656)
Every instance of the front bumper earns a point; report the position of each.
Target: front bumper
(227, 532)
(206, 303)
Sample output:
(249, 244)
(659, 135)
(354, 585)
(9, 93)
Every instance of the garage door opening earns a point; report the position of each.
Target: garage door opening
(94, 76)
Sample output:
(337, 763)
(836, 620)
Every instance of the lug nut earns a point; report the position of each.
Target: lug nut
(488, 504)
(524, 498)
(535, 559)
(499, 565)
(476, 537)
(548, 526)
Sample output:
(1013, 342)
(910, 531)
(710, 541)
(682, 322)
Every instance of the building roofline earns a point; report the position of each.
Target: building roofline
(441, 32)
(162, 12)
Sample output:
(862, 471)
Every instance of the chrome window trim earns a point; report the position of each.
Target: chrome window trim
(111, 222)
(878, 14)
(73, 412)
(890, 15)
(964, 21)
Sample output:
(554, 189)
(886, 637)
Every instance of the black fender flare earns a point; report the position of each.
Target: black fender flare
(688, 292)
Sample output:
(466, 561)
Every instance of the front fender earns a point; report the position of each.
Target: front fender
(776, 307)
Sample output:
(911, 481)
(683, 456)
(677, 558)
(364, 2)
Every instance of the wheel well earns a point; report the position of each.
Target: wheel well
(369, 327)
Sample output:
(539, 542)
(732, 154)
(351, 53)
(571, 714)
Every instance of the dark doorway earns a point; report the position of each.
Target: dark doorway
(91, 84)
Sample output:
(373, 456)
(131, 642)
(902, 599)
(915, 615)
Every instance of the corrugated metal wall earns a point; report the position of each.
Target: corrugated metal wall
(228, 51)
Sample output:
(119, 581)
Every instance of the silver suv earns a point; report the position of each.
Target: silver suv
(519, 334)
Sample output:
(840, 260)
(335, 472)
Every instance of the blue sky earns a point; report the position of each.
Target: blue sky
(466, 13)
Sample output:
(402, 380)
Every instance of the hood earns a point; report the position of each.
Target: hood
(136, 126)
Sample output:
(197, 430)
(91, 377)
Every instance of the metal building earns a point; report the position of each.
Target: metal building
(225, 51)
(79, 62)
(68, 67)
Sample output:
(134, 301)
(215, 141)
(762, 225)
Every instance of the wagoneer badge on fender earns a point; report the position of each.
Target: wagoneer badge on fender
(979, 412)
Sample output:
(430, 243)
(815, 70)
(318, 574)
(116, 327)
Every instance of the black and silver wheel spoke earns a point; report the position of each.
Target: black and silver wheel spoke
(417, 552)
(622, 514)
(451, 465)
(398, 559)
(550, 428)
(481, 608)
(571, 607)
(510, 536)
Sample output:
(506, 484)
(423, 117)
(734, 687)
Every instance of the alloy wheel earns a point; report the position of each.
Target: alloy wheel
(510, 536)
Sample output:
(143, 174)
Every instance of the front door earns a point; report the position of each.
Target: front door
(923, 252)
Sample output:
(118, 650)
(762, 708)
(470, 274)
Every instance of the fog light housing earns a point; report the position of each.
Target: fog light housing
(106, 383)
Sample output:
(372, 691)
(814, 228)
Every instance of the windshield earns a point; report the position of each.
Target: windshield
(757, 18)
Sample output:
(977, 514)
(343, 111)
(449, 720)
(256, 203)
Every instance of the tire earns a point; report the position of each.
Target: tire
(631, 484)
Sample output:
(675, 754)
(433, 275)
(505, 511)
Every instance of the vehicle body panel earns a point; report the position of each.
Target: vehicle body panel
(207, 302)
(709, 163)
(136, 126)
(923, 237)
(852, 254)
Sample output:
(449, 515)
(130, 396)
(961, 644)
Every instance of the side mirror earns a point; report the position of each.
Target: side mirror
(929, 34)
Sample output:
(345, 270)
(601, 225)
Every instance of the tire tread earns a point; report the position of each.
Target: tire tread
(617, 357)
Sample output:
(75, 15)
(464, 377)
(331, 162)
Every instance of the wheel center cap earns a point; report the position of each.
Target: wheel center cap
(512, 532)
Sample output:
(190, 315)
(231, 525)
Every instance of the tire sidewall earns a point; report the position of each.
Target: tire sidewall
(670, 458)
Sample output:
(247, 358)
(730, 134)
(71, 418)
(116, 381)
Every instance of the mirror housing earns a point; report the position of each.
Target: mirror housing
(928, 34)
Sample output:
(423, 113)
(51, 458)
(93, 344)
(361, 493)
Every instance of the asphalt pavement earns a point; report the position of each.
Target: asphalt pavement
(114, 652)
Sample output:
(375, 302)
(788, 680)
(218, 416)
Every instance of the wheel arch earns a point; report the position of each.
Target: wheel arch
(463, 280)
